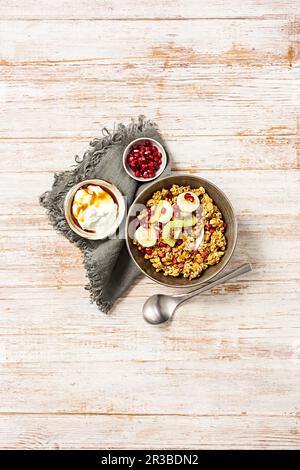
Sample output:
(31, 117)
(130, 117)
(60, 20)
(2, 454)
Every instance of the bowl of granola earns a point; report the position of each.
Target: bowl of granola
(181, 231)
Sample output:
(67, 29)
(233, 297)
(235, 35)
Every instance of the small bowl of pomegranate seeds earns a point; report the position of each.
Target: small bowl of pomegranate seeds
(144, 159)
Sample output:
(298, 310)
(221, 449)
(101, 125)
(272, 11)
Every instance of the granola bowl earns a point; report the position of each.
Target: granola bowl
(181, 231)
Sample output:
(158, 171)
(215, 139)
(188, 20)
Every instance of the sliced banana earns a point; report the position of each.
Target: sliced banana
(188, 202)
(152, 218)
(164, 212)
(145, 236)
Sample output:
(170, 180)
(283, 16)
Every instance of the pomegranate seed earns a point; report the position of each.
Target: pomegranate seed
(162, 245)
(212, 230)
(189, 197)
(207, 225)
(174, 261)
(149, 251)
(161, 254)
(204, 255)
(137, 174)
(169, 195)
(179, 242)
(143, 251)
(195, 252)
(180, 266)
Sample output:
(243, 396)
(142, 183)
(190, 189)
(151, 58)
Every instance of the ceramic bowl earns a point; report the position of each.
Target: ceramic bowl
(142, 141)
(228, 216)
(108, 187)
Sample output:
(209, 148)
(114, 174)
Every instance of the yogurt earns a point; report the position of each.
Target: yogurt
(94, 209)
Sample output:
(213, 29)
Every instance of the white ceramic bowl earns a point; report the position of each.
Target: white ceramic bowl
(116, 195)
(141, 140)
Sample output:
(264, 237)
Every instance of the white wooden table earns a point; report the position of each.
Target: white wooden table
(222, 80)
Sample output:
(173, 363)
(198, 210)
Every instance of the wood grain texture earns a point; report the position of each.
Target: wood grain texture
(135, 432)
(222, 80)
(175, 9)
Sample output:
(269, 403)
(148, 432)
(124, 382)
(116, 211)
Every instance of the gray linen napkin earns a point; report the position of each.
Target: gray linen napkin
(109, 268)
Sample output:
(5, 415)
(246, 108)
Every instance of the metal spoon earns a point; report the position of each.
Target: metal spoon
(160, 308)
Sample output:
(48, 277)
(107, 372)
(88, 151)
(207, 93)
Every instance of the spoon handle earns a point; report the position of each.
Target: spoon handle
(245, 268)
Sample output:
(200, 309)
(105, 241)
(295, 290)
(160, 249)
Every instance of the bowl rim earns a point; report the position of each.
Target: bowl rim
(235, 233)
(162, 166)
(105, 184)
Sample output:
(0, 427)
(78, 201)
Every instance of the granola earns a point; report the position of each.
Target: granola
(181, 231)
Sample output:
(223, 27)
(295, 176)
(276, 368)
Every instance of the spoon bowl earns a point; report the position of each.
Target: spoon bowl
(159, 308)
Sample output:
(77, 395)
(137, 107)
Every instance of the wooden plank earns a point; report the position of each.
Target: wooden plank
(50, 260)
(149, 432)
(19, 300)
(206, 106)
(270, 152)
(228, 323)
(278, 190)
(268, 385)
(178, 9)
(171, 43)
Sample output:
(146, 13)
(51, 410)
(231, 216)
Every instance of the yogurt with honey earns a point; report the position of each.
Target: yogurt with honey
(94, 209)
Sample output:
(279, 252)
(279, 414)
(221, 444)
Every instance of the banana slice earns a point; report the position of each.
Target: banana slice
(164, 212)
(188, 202)
(145, 236)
